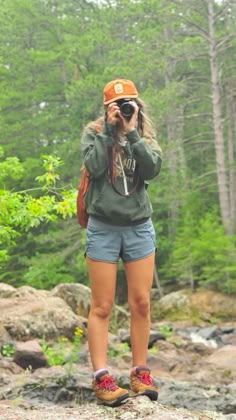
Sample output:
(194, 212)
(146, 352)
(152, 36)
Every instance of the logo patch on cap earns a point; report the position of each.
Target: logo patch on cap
(118, 87)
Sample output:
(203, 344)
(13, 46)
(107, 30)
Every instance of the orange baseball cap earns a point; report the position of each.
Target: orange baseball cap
(119, 89)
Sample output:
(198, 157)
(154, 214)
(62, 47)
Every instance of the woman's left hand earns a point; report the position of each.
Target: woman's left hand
(130, 125)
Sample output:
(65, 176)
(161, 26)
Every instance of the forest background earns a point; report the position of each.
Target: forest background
(55, 58)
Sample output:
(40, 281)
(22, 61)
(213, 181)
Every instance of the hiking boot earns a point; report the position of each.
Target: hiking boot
(141, 383)
(107, 392)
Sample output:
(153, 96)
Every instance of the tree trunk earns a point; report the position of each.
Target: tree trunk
(174, 128)
(217, 123)
(231, 153)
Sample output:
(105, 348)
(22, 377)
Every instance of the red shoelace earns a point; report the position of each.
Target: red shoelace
(145, 378)
(108, 383)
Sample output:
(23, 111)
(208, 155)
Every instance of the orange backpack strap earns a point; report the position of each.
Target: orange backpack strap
(80, 200)
(85, 179)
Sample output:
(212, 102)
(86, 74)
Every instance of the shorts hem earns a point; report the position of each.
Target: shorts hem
(140, 258)
(100, 260)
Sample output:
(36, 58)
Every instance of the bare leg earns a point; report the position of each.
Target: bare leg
(139, 278)
(102, 281)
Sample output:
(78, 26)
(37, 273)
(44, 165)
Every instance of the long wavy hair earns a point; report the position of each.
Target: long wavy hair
(144, 125)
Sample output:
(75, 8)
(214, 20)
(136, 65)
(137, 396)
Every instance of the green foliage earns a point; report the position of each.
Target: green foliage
(7, 350)
(21, 211)
(50, 164)
(118, 350)
(203, 252)
(55, 59)
(63, 352)
(80, 260)
(153, 350)
(165, 330)
(55, 353)
(45, 272)
(10, 167)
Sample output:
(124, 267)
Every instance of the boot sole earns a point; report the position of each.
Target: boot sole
(115, 403)
(152, 395)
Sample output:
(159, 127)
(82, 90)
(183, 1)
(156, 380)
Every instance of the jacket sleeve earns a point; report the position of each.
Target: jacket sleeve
(147, 154)
(94, 150)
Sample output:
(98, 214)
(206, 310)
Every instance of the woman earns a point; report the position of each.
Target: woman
(121, 154)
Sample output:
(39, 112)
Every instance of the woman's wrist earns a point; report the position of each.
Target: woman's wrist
(129, 130)
(133, 136)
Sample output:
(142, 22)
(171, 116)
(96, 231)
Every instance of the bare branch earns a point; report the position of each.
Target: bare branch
(197, 115)
(206, 174)
(222, 10)
(194, 136)
(224, 40)
(200, 31)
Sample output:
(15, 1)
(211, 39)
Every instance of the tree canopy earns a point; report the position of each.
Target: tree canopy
(55, 58)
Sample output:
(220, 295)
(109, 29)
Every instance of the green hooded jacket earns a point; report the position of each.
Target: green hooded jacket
(101, 200)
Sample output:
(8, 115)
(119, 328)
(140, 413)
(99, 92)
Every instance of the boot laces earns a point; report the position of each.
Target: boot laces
(145, 378)
(108, 383)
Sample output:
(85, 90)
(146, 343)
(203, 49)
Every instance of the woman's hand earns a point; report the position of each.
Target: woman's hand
(130, 124)
(113, 114)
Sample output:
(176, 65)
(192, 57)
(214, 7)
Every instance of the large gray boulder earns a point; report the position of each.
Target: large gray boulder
(37, 315)
(78, 297)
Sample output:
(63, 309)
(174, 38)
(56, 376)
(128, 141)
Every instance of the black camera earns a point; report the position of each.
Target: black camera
(126, 109)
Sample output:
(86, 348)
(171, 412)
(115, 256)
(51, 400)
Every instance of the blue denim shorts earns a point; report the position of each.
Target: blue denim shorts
(108, 243)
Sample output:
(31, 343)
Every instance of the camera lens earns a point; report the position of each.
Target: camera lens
(126, 109)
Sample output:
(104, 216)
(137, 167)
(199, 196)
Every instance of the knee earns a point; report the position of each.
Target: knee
(140, 306)
(101, 311)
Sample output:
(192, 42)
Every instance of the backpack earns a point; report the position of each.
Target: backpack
(85, 179)
(80, 200)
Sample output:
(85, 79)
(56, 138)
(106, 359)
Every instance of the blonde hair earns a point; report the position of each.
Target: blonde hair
(145, 127)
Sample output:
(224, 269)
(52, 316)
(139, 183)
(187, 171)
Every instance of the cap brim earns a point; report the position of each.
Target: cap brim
(119, 97)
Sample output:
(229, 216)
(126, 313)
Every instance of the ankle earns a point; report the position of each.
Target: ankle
(134, 368)
(99, 371)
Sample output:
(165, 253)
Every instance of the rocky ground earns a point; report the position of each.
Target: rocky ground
(192, 358)
(140, 409)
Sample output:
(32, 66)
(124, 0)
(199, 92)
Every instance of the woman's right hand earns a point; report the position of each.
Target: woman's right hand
(113, 113)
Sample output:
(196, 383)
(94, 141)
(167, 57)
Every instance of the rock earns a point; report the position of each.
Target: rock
(6, 290)
(154, 336)
(119, 316)
(8, 367)
(159, 365)
(4, 336)
(190, 371)
(209, 332)
(212, 304)
(169, 358)
(174, 306)
(28, 291)
(185, 394)
(200, 305)
(225, 358)
(198, 348)
(36, 316)
(218, 367)
(175, 300)
(229, 339)
(30, 355)
(47, 386)
(78, 296)
(140, 408)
